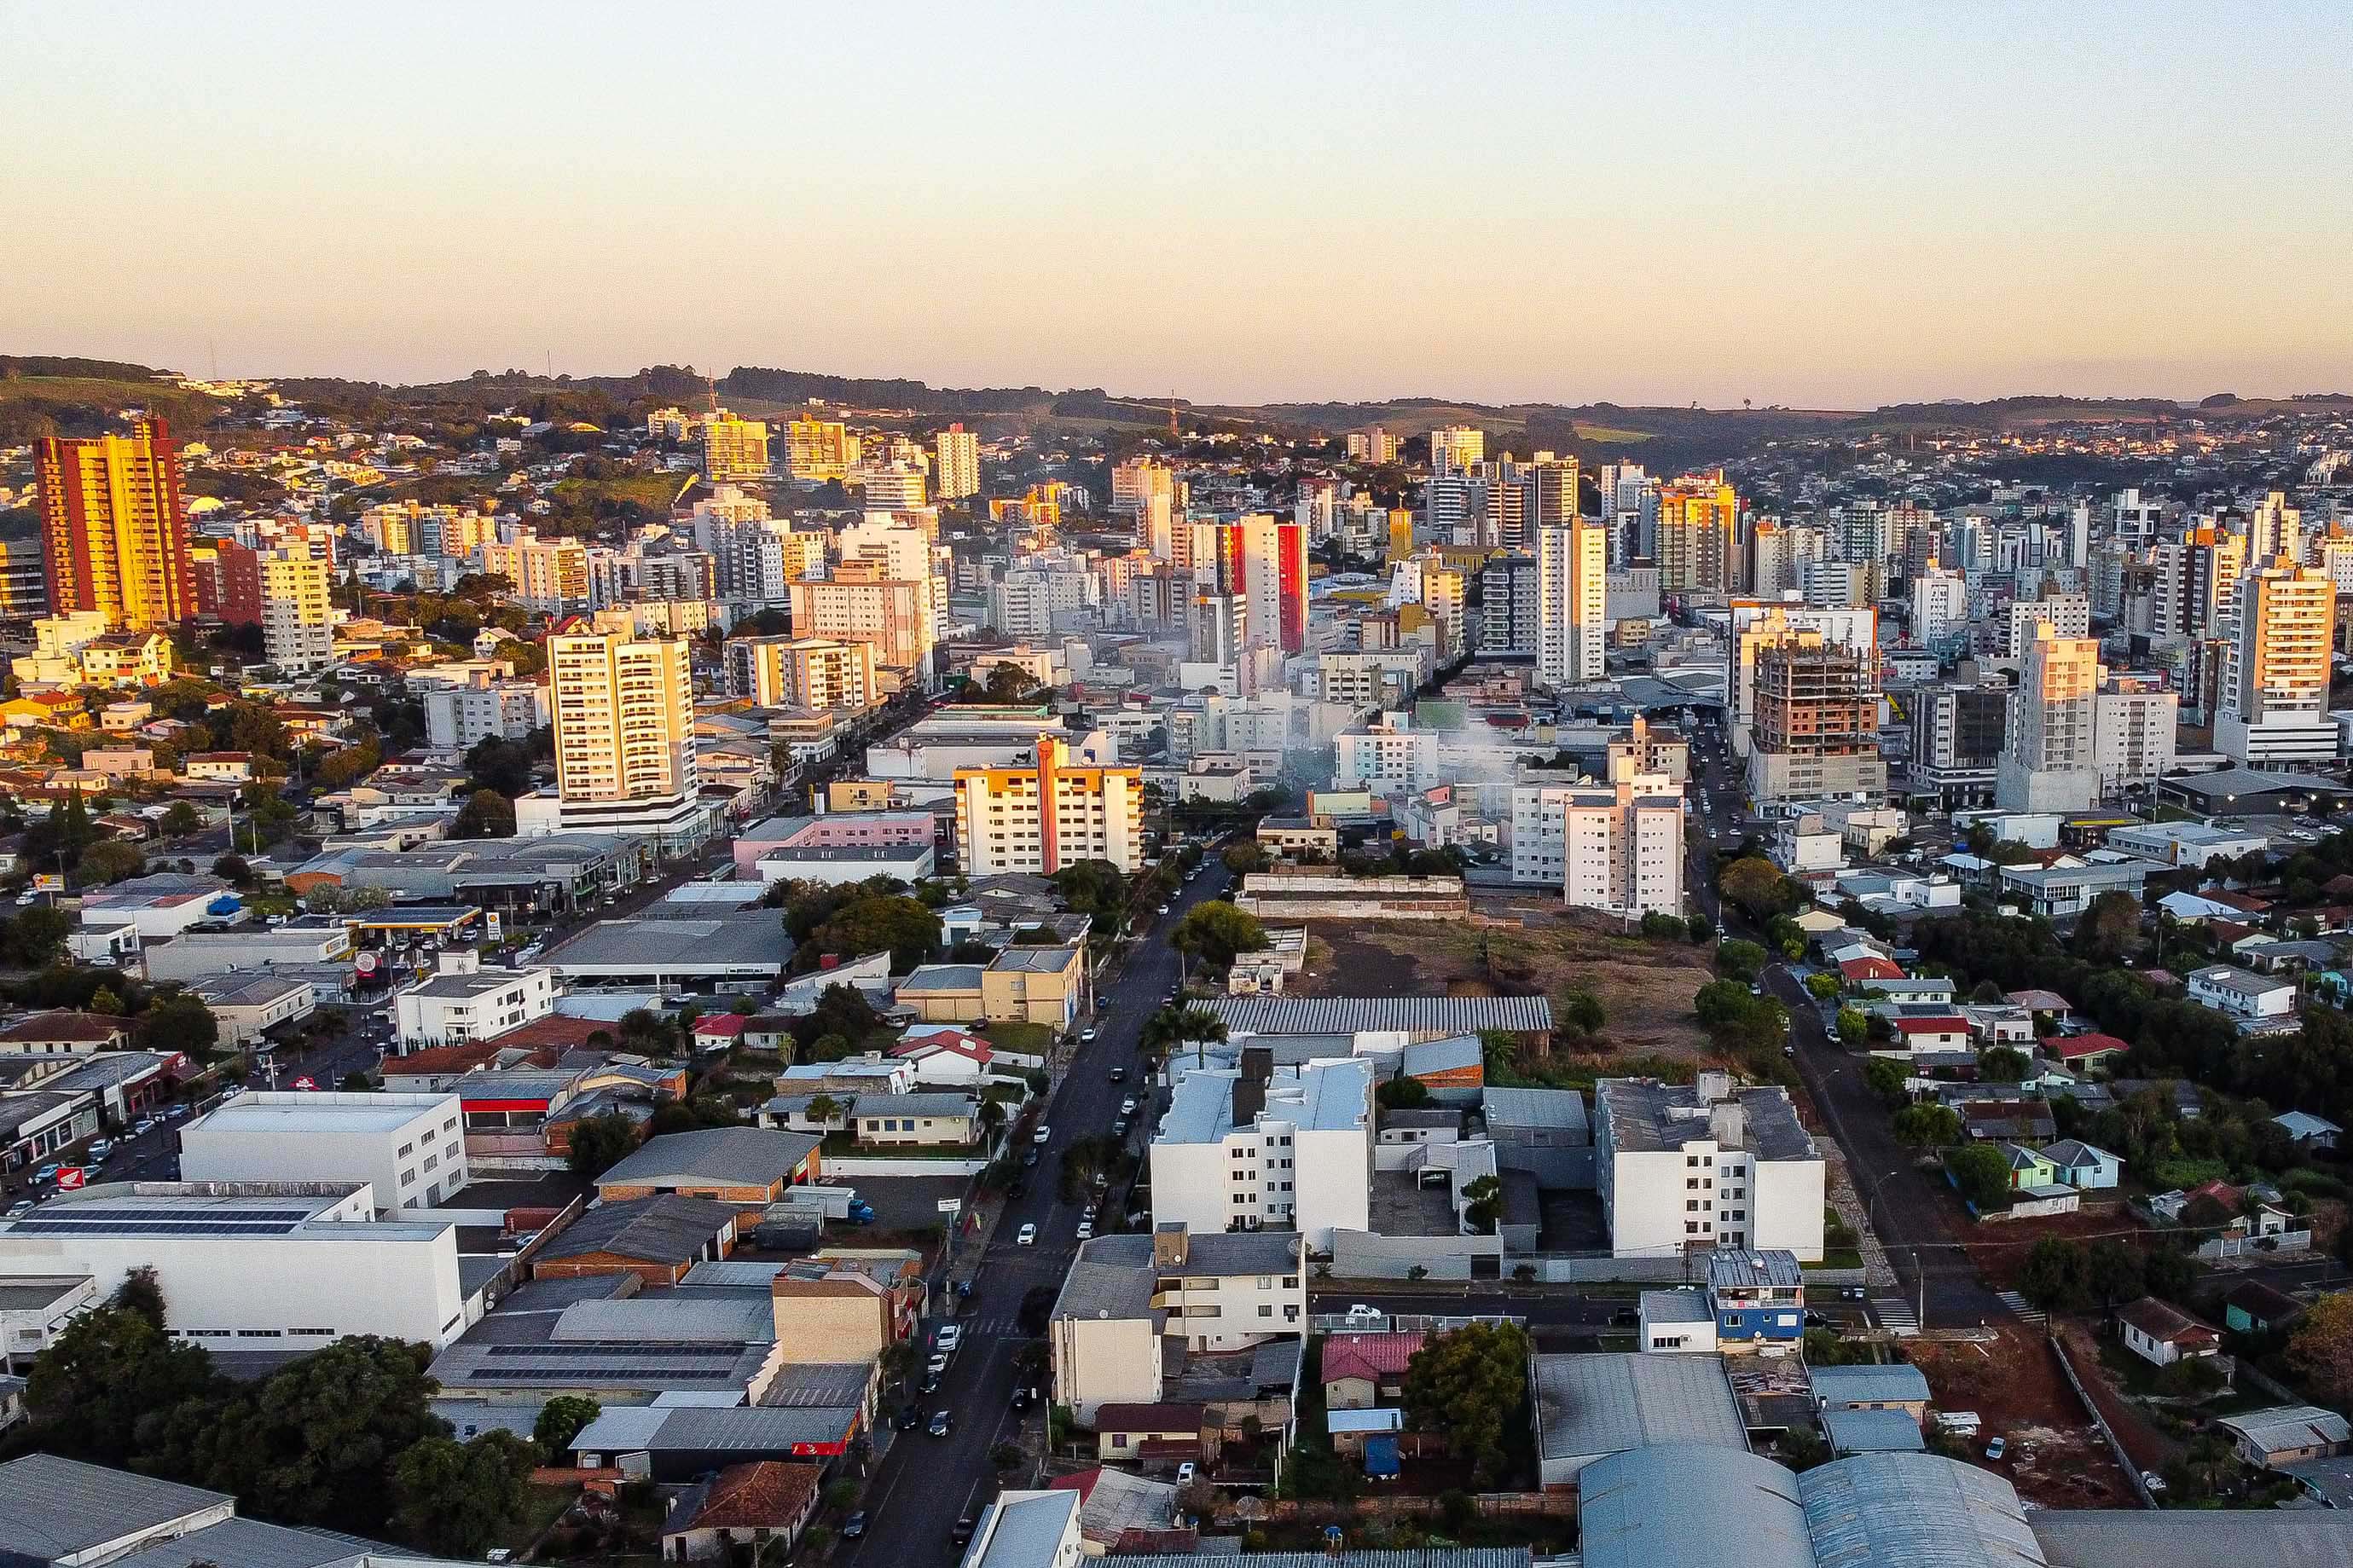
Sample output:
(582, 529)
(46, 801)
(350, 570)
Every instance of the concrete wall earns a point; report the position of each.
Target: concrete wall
(1360, 1255)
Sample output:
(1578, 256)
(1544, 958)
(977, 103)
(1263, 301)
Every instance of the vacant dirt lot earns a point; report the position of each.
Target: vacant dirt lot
(2056, 1456)
(1533, 947)
(1999, 1249)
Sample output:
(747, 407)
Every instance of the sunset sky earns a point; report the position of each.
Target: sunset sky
(1815, 205)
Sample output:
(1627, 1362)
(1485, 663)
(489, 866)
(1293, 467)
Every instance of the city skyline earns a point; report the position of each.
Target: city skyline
(1837, 210)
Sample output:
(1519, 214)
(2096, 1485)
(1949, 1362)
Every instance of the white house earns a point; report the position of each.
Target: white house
(2244, 997)
(2159, 1333)
(1255, 1147)
(1677, 1321)
(2307, 1130)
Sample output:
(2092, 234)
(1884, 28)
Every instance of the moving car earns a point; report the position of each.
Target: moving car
(937, 1364)
(101, 1149)
(1184, 1474)
(1361, 1313)
(1028, 1237)
(1044, 1134)
(1127, 1105)
(1163, 909)
(950, 1336)
(908, 1418)
(1086, 1230)
(1119, 1075)
(144, 1126)
(1086, 1036)
(962, 1533)
(18, 1211)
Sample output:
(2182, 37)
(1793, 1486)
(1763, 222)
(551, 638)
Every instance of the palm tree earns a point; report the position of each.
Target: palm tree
(823, 1109)
(1173, 1028)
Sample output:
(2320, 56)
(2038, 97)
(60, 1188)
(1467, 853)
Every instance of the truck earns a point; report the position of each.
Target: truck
(834, 1203)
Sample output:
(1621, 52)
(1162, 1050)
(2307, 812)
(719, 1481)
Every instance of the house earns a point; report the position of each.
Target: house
(2084, 1052)
(767, 1501)
(1361, 1370)
(1756, 1297)
(2307, 1130)
(2028, 1168)
(944, 1057)
(2007, 1120)
(1675, 1322)
(1132, 1432)
(920, 1119)
(2079, 1164)
(1355, 1432)
(1127, 1295)
(2161, 1334)
(2252, 1307)
(62, 1033)
(2048, 1003)
(1859, 973)
(2193, 909)
(1937, 1032)
(220, 767)
(2282, 1434)
(716, 1033)
(2247, 999)
(1898, 1386)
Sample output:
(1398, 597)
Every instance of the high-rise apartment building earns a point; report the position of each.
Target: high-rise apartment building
(802, 672)
(1375, 445)
(891, 616)
(2274, 528)
(624, 715)
(1940, 607)
(1265, 560)
(24, 582)
(549, 575)
(1816, 731)
(819, 449)
(2049, 759)
(956, 462)
(1051, 813)
(2273, 700)
(2133, 735)
(1616, 846)
(734, 449)
(1572, 618)
(2067, 615)
(896, 487)
(2194, 582)
(114, 538)
(1696, 520)
(462, 716)
(1756, 625)
(1510, 603)
(297, 633)
(1457, 448)
(1956, 742)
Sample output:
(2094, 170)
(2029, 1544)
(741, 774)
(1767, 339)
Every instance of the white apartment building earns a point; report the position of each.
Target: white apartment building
(296, 611)
(1258, 1148)
(1388, 756)
(1456, 449)
(1218, 1292)
(465, 1003)
(2067, 615)
(1022, 604)
(894, 487)
(1364, 677)
(2049, 760)
(892, 618)
(2242, 996)
(253, 1266)
(624, 711)
(1617, 847)
(1940, 605)
(2273, 711)
(1048, 814)
(1572, 584)
(1689, 1168)
(458, 718)
(409, 1149)
(2133, 736)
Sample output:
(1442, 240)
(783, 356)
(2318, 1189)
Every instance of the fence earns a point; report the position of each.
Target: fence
(2132, 1471)
(1407, 1322)
(2255, 1245)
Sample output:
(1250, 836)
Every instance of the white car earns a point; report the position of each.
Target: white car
(1086, 1036)
(1028, 1237)
(1184, 1474)
(1044, 1134)
(1127, 1105)
(950, 1336)
(1086, 1230)
(1163, 909)
(1360, 1313)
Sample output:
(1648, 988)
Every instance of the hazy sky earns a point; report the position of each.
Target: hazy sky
(1816, 204)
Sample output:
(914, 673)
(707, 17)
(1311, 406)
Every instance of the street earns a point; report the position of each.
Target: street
(926, 1484)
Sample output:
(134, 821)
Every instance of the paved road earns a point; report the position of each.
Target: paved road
(926, 1483)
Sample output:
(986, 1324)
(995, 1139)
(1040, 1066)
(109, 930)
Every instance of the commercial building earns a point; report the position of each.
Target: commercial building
(956, 462)
(750, 1167)
(1217, 1291)
(409, 1150)
(249, 1005)
(245, 1266)
(1048, 815)
(115, 536)
(1572, 576)
(2051, 758)
(1756, 625)
(802, 672)
(1590, 1407)
(1254, 1147)
(2273, 711)
(691, 949)
(1689, 1168)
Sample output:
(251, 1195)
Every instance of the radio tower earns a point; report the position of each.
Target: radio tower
(712, 384)
(1172, 412)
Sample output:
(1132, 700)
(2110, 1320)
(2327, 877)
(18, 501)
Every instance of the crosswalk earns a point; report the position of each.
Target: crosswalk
(991, 1326)
(2019, 1307)
(1895, 1315)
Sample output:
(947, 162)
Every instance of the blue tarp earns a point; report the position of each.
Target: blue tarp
(227, 904)
(1380, 1456)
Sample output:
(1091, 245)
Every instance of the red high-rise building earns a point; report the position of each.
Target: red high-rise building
(114, 538)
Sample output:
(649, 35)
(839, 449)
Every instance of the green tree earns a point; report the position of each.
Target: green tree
(1007, 683)
(1402, 1093)
(2001, 1065)
(104, 1374)
(1738, 960)
(1885, 1076)
(356, 1082)
(1213, 933)
(456, 1499)
(600, 1142)
(1853, 1027)
(2110, 929)
(1926, 1125)
(2113, 1272)
(180, 819)
(560, 1421)
(179, 1023)
(1579, 1011)
(1172, 1029)
(2321, 1347)
(1823, 987)
(140, 1294)
(1756, 884)
(234, 870)
(904, 926)
(36, 936)
(487, 814)
(1981, 1174)
(2055, 1274)
(1484, 1206)
(1245, 857)
(1095, 888)
(1472, 1385)
(108, 860)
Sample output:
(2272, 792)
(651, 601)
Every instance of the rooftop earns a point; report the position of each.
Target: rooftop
(1730, 1269)
(1682, 1504)
(1874, 1432)
(737, 1156)
(2281, 1427)
(1113, 1277)
(1414, 1015)
(2139, 1538)
(733, 939)
(52, 1508)
(1605, 1403)
(663, 1228)
(1896, 1383)
(1644, 1115)
(280, 1112)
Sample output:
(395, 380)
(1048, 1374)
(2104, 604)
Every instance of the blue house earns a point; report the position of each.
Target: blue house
(2081, 1165)
(1757, 1297)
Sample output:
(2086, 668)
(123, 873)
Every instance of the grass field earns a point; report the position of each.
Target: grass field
(652, 491)
(1605, 433)
(1645, 987)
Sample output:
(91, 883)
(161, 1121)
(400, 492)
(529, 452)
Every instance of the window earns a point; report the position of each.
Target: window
(407, 1149)
(408, 1178)
(1290, 1282)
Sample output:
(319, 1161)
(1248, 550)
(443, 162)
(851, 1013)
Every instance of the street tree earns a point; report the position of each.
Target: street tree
(1884, 1077)
(1738, 960)
(600, 1142)
(1757, 886)
(2055, 1274)
(1982, 1174)
(1927, 1126)
(2321, 1347)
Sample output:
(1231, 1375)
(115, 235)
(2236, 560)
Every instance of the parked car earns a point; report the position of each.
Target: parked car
(1086, 1230)
(854, 1526)
(1043, 1135)
(1184, 1474)
(1028, 1158)
(950, 1336)
(1028, 1237)
(1119, 1128)
(18, 1211)
(1997, 1447)
(46, 1173)
(908, 1418)
(1361, 1313)
(2152, 1481)
(937, 1364)
(1163, 909)
(962, 1533)
(174, 1111)
(1127, 1105)
(99, 1150)
(1086, 1036)
(941, 1424)
(144, 1126)
(1119, 1075)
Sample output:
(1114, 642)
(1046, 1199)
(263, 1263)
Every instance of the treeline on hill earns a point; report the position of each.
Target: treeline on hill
(799, 385)
(2171, 1036)
(14, 365)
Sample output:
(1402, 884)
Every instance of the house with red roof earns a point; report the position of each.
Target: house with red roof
(945, 1056)
(1361, 1370)
(1862, 971)
(717, 1032)
(2085, 1051)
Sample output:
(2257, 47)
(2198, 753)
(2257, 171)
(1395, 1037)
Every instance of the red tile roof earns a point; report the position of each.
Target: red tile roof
(95, 1028)
(1369, 1356)
(764, 1494)
(1856, 970)
(1148, 1418)
(2076, 1047)
(1943, 1024)
(720, 1026)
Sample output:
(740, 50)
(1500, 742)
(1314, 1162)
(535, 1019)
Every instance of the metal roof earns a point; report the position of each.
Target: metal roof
(1559, 1109)
(1916, 1510)
(1589, 1406)
(1872, 1432)
(52, 1508)
(738, 1156)
(1894, 1384)
(701, 943)
(2134, 1537)
(1111, 1278)
(2281, 1427)
(667, 1320)
(1023, 1530)
(663, 1228)
(250, 1543)
(1419, 1557)
(1414, 1015)
(1682, 1504)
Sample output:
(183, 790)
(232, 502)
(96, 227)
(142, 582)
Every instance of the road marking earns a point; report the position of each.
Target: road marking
(2019, 1307)
(1895, 1315)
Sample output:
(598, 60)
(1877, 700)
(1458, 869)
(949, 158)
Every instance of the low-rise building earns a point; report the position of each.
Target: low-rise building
(747, 1167)
(764, 1502)
(465, 1002)
(1254, 1147)
(409, 1149)
(248, 1005)
(2247, 999)
(1210, 1292)
(656, 1238)
(917, 1118)
(2162, 1333)
(1589, 1406)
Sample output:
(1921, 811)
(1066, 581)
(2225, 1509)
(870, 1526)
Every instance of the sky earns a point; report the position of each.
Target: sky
(1819, 204)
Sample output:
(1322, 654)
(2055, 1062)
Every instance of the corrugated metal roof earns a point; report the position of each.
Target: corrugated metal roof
(2133, 1538)
(1684, 1506)
(1872, 1432)
(52, 1508)
(1424, 1557)
(1893, 1384)
(1918, 1510)
(1416, 1014)
(1591, 1405)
